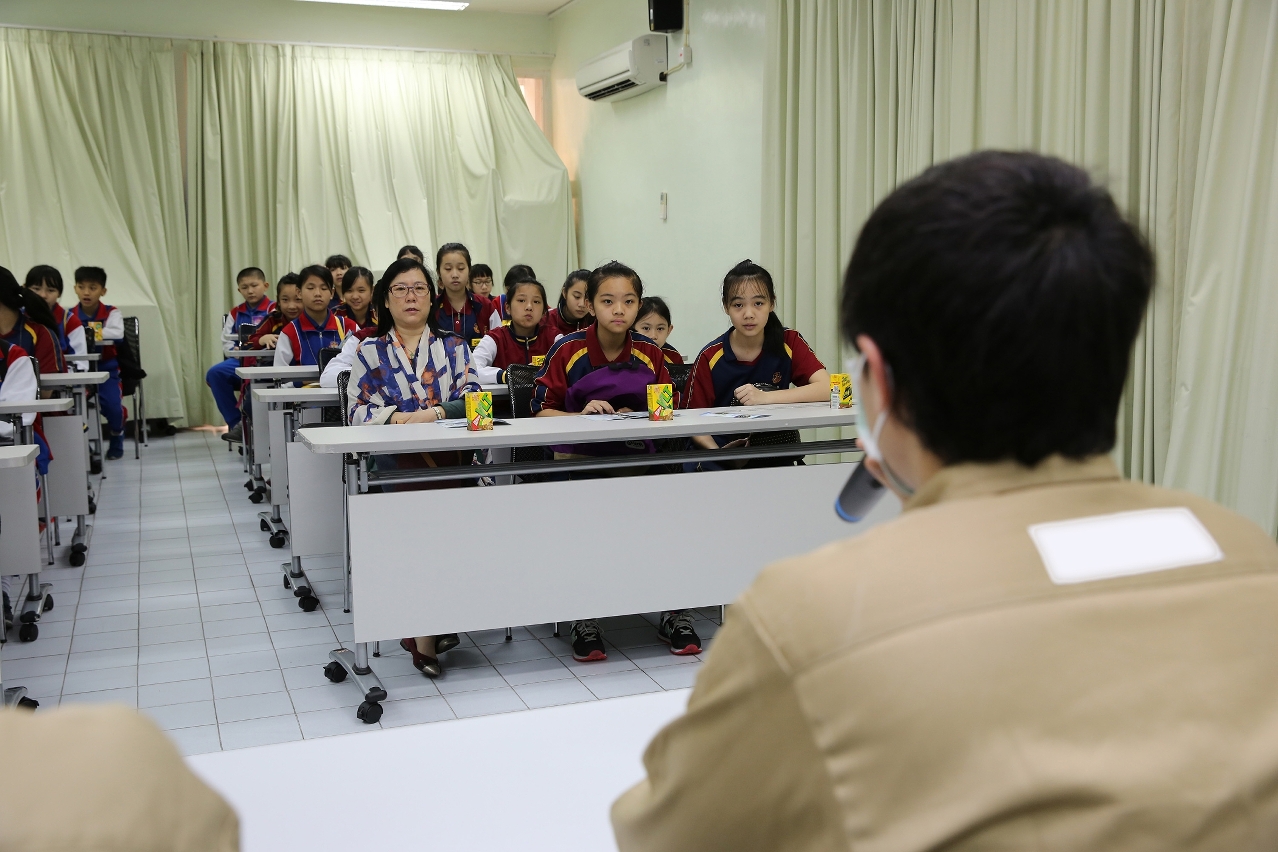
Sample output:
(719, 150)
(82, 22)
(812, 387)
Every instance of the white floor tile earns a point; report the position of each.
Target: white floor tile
(90, 661)
(414, 711)
(618, 684)
(104, 641)
(256, 732)
(84, 626)
(170, 651)
(201, 740)
(555, 692)
(328, 723)
(127, 696)
(177, 692)
(485, 702)
(174, 670)
(253, 707)
(248, 683)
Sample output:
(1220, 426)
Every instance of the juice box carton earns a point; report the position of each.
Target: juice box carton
(96, 329)
(840, 390)
(479, 411)
(661, 402)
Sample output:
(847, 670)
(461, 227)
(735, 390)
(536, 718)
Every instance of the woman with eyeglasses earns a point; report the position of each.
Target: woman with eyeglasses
(411, 373)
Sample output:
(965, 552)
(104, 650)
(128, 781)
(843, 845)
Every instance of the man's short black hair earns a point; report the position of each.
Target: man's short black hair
(481, 270)
(91, 273)
(337, 261)
(249, 272)
(1005, 291)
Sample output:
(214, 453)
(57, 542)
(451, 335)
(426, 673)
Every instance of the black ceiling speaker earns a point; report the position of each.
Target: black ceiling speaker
(665, 16)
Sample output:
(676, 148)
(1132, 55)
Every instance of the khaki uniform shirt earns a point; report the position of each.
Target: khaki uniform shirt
(103, 779)
(926, 686)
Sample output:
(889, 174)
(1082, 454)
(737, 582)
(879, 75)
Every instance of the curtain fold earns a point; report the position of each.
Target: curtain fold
(1172, 103)
(91, 175)
(302, 152)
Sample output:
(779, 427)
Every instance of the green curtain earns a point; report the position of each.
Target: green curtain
(297, 153)
(1172, 103)
(91, 174)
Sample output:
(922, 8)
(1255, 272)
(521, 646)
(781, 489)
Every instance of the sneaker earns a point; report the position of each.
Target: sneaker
(116, 449)
(587, 641)
(235, 434)
(676, 631)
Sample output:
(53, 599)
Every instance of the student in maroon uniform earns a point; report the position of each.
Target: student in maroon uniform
(46, 282)
(337, 264)
(26, 321)
(456, 309)
(501, 303)
(573, 312)
(605, 369)
(654, 322)
(481, 281)
(525, 341)
(316, 327)
(357, 297)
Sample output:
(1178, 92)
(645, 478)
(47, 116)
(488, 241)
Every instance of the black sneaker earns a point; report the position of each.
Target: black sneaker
(676, 631)
(587, 641)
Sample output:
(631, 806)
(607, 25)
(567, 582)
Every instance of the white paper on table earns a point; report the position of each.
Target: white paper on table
(744, 415)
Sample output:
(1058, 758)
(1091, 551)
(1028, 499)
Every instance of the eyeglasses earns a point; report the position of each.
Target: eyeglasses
(401, 291)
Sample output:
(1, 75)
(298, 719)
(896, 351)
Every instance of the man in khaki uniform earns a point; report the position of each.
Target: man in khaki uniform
(93, 779)
(1037, 654)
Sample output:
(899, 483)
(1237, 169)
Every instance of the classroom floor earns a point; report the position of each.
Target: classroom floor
(180, 611)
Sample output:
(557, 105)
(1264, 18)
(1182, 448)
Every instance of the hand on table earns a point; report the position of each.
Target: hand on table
(750, 395)
(598, 406)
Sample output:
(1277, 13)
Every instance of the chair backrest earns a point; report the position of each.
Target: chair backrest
(132, 337)
(679, 375)
(343, 379)
(245, 332)
(328, 353)
(35, 368)
(521, 380)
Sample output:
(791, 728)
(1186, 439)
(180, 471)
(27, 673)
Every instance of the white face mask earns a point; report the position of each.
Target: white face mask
(870, 437)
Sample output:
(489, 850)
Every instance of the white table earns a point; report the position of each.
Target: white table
(677, 558)
(257, 440)
(85, 358)
(264, 354)
(38, 599)
(19, 532)
(69, 485)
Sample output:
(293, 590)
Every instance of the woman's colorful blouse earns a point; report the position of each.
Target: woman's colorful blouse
(385, 378)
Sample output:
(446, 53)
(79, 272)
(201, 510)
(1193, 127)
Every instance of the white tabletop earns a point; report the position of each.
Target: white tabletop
(90, 357)
(541, 431)
(59, 380)
(18, 456)
(281, 373)
(268, 354)
(290, 394)
(36, 406)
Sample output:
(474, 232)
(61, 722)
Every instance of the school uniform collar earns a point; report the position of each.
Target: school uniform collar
(304, 320)
(594, 351)
(964, 481)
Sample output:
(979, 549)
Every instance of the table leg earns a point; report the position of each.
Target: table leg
(273, 522)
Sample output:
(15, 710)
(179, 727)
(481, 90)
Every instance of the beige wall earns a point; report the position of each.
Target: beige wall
(699, 139)
(290, 20)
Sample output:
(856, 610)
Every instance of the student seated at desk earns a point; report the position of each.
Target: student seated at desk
(501, 303)
(46, 282)
(357, 297)
(25, 320)
(654, 322)
(316, 327)
(410, 373)
(221, 378)
(17, 384)
(415, 253)
(573, 311)
(288, 307)
(481, 281)
(757, 360)
(605, 369)
(525, 341)
(456, 309)
(337, 265)
(104, 328)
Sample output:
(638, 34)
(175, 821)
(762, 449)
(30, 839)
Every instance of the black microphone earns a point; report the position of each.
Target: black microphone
(859, 495)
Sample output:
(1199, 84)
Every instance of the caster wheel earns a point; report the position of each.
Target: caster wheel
(48, 604)
(95, 467)
(257, 497)
(27, 618)
(93, 507)
(29, 633)
(79, 548)
(308, 603)
(302, 591)
(28, 703)
(77, 559)
(334, 672)
(265, 526)
(278, 540)
(287, 584)
(369, 713)
(248, 486)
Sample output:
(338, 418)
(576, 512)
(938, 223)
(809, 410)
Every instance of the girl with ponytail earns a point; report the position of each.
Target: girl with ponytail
(758, 361)
(26, 321)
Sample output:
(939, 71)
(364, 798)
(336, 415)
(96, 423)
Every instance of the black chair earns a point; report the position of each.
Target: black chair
(521, 381)
(246, 332)
(343, 380)
(133, 340)
(679, 374)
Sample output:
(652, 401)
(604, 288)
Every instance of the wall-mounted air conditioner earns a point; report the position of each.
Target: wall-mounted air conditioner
(625, 71)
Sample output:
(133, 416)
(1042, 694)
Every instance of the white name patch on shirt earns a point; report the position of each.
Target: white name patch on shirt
(1123, 544)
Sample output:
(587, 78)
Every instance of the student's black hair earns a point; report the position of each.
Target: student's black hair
(517, 273)
(612, 269)
(749, 272)
(413, 250)
(381, 294)
(249, 272)
(337, 261)
(481, 270)
(1005, 291)
(26, 301)
(43, 274)
(654, 305)
(288, 278)
(529, 282)
(91, 273)
(451, 248)
(573, 277)
(316, 271)
(354, 274)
